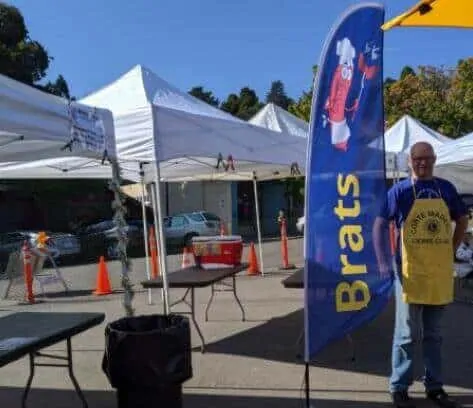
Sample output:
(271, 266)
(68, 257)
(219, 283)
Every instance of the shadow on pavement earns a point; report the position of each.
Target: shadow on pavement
(372, 344)
(53, 398)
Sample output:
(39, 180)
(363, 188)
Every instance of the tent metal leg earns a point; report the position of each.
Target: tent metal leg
(258, 222)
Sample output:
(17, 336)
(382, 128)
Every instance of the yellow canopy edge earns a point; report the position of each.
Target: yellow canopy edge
(435, 13)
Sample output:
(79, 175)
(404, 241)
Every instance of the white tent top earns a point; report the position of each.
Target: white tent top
(187, 134)
(155, 119)
(399, 138)
(274, 117)
(36, 125)
(455, 163)
(407, 131)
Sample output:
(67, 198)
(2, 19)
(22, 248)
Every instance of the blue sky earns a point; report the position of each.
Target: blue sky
(221, 45)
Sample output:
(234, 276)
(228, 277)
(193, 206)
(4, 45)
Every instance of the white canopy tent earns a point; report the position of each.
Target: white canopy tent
(274, 117)
(399, 138)
(157, 123)
(187, 133)
(455, 163)
(35, 125)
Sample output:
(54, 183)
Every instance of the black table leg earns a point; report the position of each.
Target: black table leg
(212, 293)
(69, 366)
(230, 288)
(195, 321)
(72, 376)
(182, 299)
(28, 383)
(243, 318)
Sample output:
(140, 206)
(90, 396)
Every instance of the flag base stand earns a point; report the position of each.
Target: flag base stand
(307, 386)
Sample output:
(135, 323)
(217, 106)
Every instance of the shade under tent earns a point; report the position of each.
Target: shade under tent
(36, 126)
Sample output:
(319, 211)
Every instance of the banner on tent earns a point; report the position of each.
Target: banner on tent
(87, 129)
(345, 185)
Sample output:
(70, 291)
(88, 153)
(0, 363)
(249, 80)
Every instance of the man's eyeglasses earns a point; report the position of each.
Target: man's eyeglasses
(419, 159)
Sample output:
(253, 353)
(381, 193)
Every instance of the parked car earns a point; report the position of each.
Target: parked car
(101, 239)
(180, 228)
(300, 223)
(62, 246)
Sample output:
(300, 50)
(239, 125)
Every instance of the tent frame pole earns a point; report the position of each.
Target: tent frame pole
(145, 229)
(155, 218)
(162, 242)
(258, 222)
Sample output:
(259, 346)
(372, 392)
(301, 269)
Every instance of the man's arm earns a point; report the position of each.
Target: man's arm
(379, 235)
(461, 224)
(459, 214)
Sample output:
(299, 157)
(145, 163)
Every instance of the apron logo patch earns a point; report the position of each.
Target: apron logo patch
(432, 226)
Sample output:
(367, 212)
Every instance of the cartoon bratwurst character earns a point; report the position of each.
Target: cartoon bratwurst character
(340, 86)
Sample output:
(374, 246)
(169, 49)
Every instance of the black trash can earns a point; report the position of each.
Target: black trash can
(147, 358)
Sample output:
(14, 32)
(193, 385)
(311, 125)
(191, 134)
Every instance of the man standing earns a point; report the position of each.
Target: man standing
(422, 207)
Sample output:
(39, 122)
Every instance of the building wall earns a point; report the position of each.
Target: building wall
(217, 198)
(212, 196)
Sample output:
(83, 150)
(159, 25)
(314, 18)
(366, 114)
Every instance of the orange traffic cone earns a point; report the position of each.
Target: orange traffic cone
(103, 281)
(284, 252)
(223, 232)
(253, 268)
(153, 249)
(187, 258)
(28, 273)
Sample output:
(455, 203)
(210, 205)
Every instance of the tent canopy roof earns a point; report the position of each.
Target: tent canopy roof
(274, 117)
(154, 119)
(35, 125)
(140, 87)
(407, 131)
(455, 162)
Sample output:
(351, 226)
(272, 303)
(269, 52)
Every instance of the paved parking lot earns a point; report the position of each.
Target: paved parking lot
(247, 364)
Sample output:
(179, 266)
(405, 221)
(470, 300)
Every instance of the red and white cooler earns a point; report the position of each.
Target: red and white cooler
(217, 252)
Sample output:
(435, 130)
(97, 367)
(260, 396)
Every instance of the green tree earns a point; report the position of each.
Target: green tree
(22, 58)
(244, 106)
(302, 107)
(207, 96)
(58, 87)
(407, 70)
(231, 105)
(388, 82)
(461, 98)
(278, 96)
(441, 98)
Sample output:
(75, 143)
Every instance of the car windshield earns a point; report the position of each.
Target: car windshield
(210, 217)
(196, 217)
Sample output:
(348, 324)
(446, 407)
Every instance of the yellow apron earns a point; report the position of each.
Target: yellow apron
(427, 253)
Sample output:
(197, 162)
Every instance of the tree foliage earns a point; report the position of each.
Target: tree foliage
(302, 107)
(207, 96)
(440, 98)
(22, 58)
(244, 106)
(277, 95)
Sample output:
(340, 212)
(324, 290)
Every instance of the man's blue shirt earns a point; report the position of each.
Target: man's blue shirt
(400, 199)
